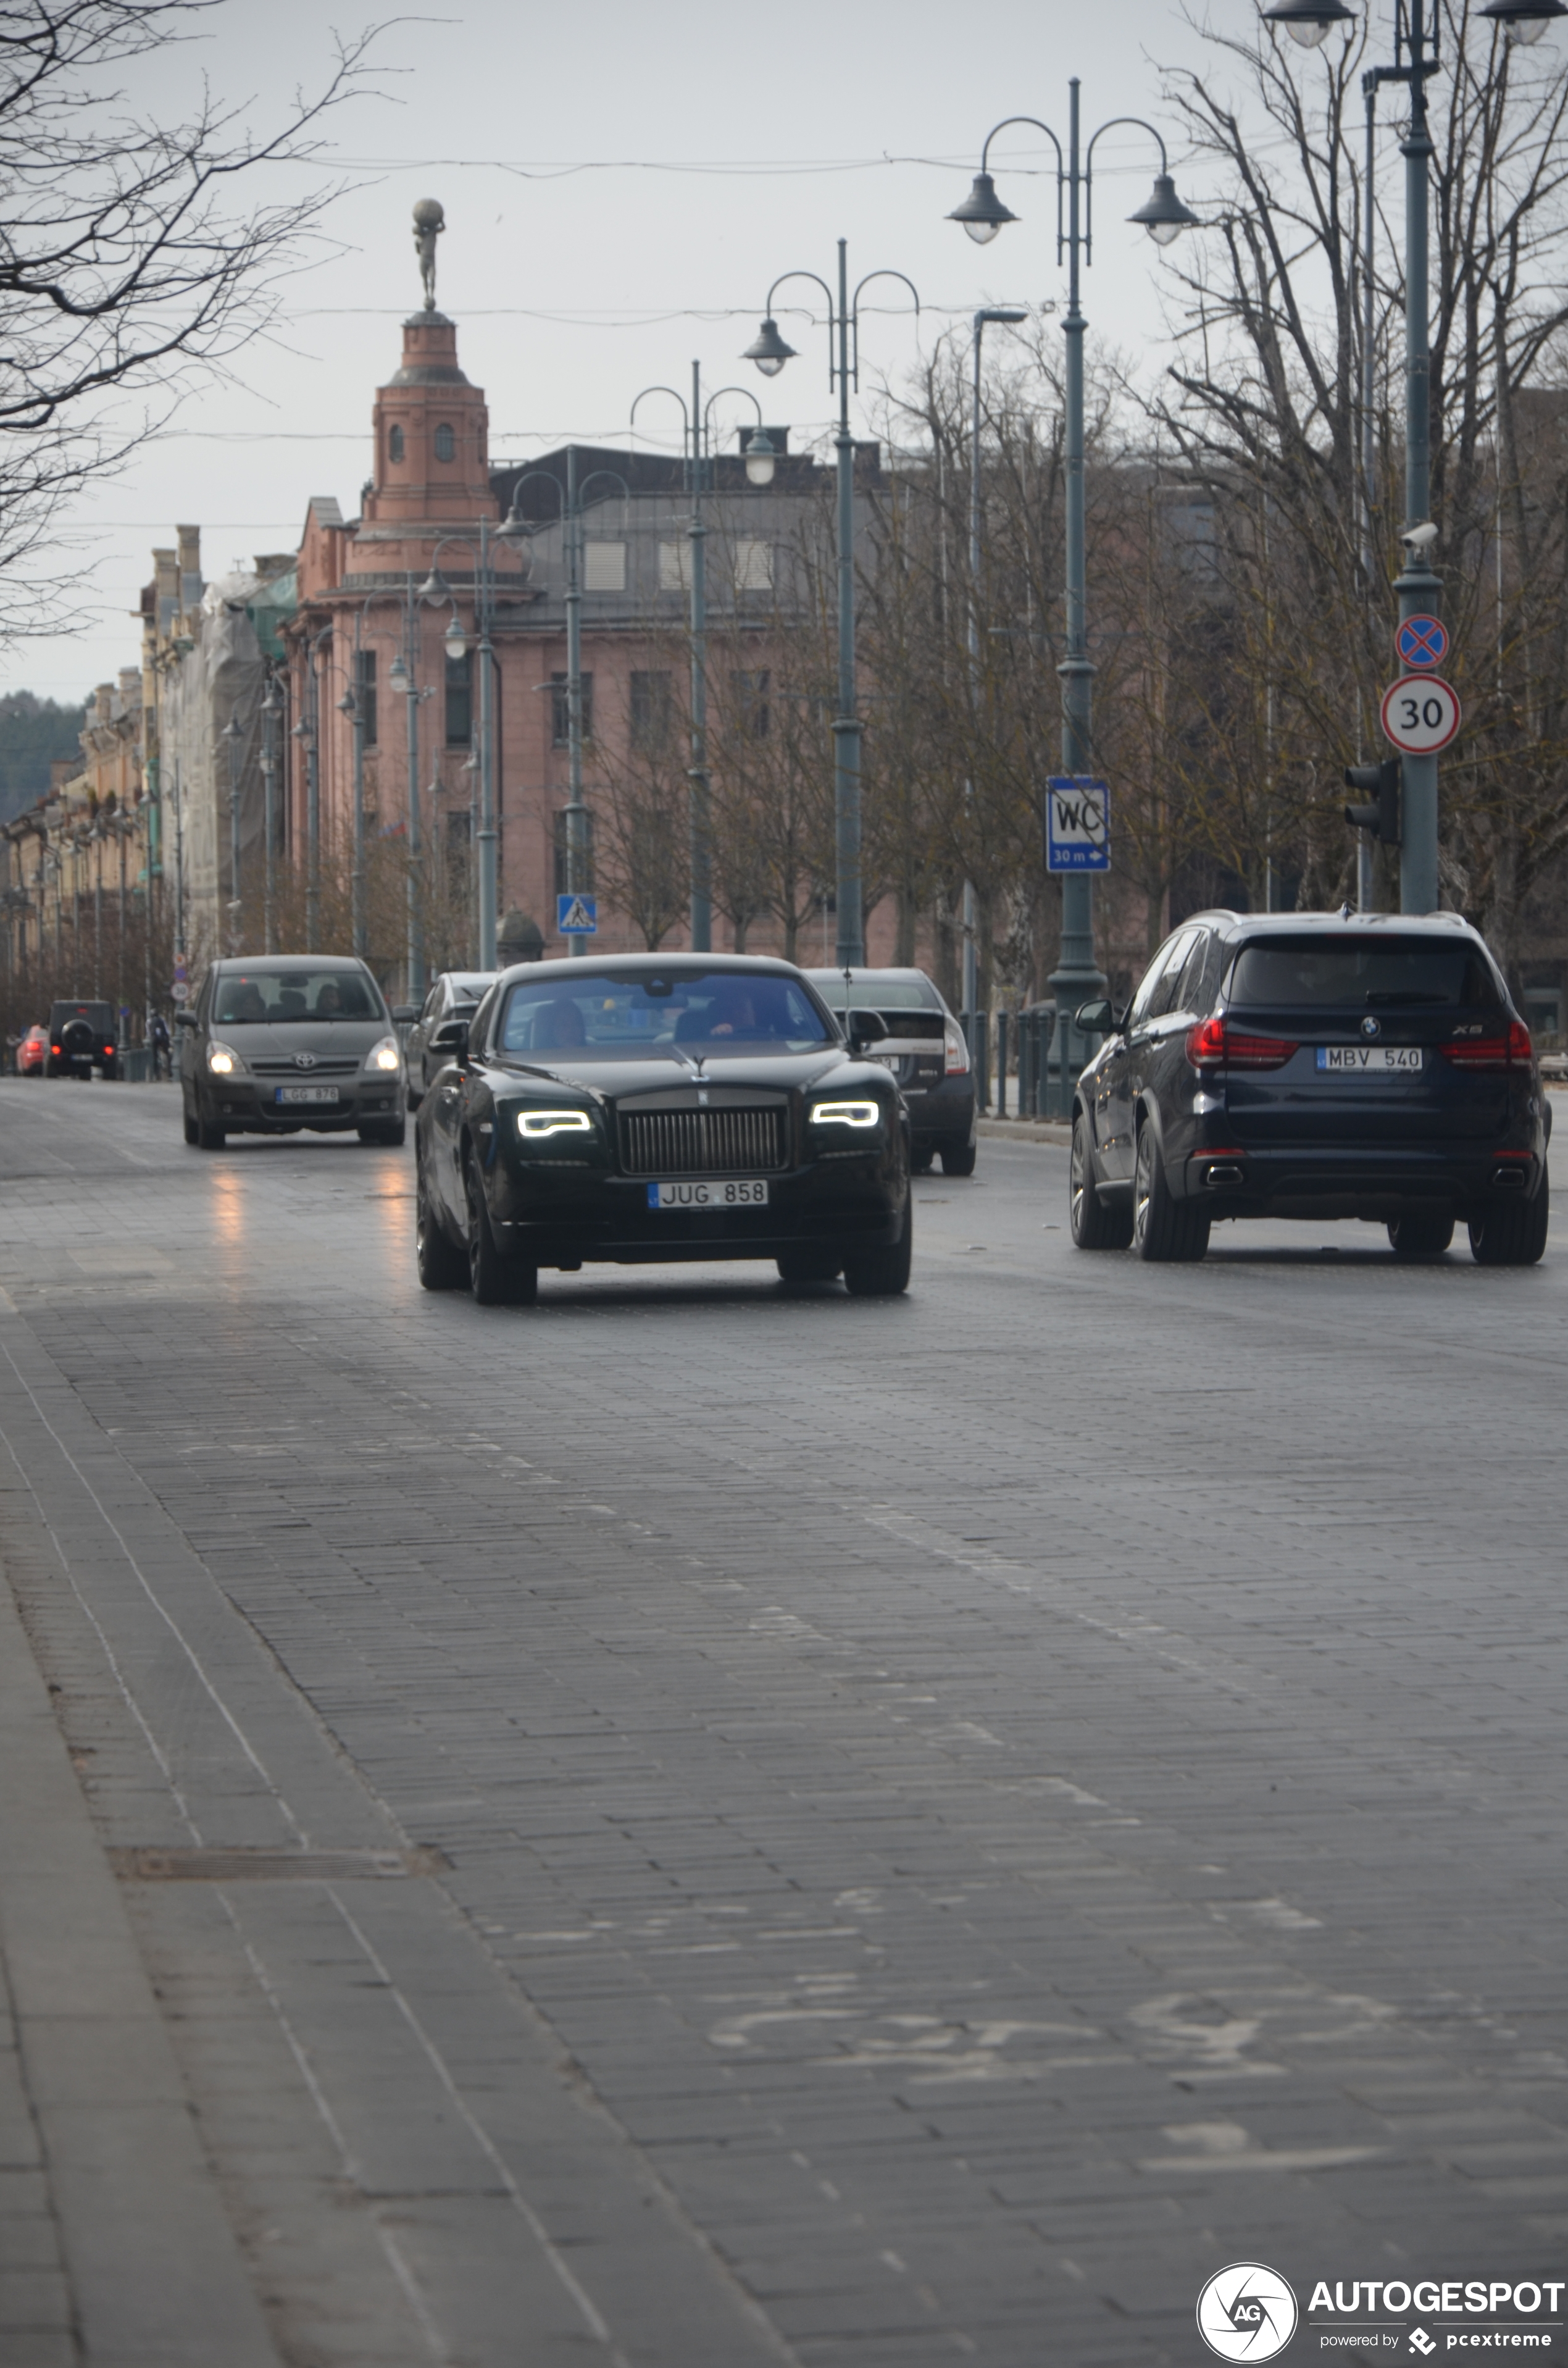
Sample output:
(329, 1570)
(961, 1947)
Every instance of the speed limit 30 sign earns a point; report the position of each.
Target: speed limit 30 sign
(1421, 713)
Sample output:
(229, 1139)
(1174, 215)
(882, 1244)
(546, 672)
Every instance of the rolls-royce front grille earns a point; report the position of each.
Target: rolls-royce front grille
(703, 1142)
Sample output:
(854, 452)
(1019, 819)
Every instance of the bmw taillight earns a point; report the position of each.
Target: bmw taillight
(1512, 1051)
(1215, 1044)
(955, 1051)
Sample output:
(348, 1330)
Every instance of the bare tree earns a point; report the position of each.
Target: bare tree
(132, 259)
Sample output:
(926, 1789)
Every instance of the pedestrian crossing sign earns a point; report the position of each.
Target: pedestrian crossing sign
(576, 916)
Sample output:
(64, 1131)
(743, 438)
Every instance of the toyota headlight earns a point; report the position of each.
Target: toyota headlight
(845, 1113)
(384, 1055)
(534, 1125)
(222, 1060)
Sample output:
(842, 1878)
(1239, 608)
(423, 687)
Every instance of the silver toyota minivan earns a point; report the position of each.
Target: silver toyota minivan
(278, 1043)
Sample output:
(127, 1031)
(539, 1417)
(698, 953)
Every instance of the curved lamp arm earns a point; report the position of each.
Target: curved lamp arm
(855, 315)
(1035, 125)
(515, 516)
(1113, 124)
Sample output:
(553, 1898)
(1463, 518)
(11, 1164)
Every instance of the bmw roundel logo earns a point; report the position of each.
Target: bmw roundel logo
(1370, 1028)
(308, 1060)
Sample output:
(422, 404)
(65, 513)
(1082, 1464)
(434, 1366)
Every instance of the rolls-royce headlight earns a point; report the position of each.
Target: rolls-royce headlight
(845, 1113)
(222, 1060)
(533, 1125)
(384, 1055)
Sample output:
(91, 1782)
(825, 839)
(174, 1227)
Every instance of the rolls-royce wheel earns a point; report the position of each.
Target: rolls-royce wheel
(882, 1274)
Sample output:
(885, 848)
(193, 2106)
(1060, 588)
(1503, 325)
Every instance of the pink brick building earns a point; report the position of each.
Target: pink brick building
(432, 483)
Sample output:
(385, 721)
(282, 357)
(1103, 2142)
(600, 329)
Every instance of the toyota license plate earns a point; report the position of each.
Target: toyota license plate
(730, 1194)
(294, 1094)
(1371, 1060)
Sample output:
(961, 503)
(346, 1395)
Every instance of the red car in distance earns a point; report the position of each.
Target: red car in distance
(31, 1052)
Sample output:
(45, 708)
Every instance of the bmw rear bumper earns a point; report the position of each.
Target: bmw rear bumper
(1375, 1184)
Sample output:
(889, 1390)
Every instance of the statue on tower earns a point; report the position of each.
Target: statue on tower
(429, 222)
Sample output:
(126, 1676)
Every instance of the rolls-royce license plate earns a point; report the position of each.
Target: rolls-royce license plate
(1369, 1060)
(732, 1193)
(305, 1094)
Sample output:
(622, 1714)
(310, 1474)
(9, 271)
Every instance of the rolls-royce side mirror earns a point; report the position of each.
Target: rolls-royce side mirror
(450, 1037)
(864, 1028)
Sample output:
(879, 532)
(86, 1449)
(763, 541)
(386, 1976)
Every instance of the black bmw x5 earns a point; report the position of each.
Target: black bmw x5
(641, 1109)
(1322, 1065)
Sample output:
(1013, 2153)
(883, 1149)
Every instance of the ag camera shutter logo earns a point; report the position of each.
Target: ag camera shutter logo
(1246, 2312)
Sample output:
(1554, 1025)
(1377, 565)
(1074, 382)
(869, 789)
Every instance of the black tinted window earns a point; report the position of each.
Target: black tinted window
(1167, 992)
(1326, 974)
(1142, 1002)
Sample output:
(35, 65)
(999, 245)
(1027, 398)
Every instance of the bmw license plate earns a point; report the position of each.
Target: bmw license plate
(1371, 1060)
(733, 1193)
(306, 1094)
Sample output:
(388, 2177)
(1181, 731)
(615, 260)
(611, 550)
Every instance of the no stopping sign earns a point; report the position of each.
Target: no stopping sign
(1421, 713)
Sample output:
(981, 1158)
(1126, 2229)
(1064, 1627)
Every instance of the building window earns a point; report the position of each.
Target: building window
(674, 566)
(559, 719)
(604, 567)
(585, 887)
(650, 710)
(753, 566)
(459, 700)
(365, 691)
(749, 692)
(446, 443)
(394, 444)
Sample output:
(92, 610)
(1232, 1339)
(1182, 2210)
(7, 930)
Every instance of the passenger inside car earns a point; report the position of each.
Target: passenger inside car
(558, 1028)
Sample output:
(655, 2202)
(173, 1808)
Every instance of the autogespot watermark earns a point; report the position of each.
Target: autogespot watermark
(1248, 2312)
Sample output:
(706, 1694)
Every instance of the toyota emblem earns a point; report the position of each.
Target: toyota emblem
(1369, 1027)
(308, 1060)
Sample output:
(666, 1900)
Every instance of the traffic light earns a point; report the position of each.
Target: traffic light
(1381, 818)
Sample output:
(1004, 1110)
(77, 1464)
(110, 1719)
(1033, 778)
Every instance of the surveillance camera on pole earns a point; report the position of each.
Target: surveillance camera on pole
(1381, 817)
(1419, 537)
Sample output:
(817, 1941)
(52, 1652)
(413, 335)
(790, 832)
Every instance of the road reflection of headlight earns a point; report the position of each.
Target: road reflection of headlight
(845, 1113)
(532, 1125)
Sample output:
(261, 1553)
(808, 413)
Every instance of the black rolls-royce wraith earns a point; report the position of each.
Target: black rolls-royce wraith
(641, 1108)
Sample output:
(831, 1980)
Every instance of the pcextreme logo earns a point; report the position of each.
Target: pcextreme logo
(1246, 2312)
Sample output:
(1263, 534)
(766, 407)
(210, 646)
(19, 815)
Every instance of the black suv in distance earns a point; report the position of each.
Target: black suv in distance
(82, 1038)
(1315, 1065)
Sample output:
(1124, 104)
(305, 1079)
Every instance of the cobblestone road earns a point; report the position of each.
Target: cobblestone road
(839, 1832)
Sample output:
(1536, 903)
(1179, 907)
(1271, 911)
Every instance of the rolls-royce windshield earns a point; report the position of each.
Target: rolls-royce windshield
(619, 1018)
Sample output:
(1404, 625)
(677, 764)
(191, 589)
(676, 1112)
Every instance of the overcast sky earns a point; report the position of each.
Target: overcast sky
(622, 183)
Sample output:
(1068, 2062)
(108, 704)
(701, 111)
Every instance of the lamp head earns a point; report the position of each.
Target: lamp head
(1524, 20)
(769, 350)
(346, 704)
(983, 213)
(231, 729)
(397, 673)
(1164, 216)
(759, 457)
(1308, 21)
(456, 642)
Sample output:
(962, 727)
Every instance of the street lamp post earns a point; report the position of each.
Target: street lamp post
(232, 736)
(271, 709)
(999, 314)
(697, 449)
(352, 704)
(1416, 60)
(1077, 978)
(770, 353)
(434, 589)
(307, 732)
(401, 676)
